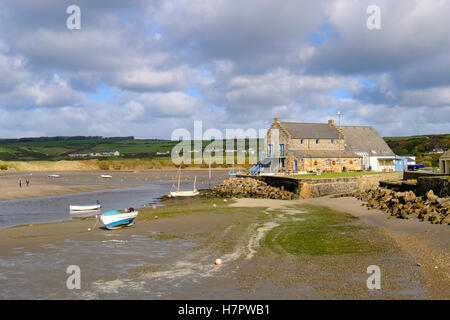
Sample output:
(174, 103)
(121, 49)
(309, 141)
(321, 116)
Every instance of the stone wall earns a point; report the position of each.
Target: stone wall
(319, 187)
(439, 185)
(414, 175)
(324, 144)
(333, 165)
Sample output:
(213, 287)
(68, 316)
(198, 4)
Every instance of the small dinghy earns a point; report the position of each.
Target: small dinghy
(116, 219)
(106, 176)
(89, 207)
(179, 193)
(184, 193)
(54, 176)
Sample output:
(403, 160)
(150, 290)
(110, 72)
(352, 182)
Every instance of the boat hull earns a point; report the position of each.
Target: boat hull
(184, 193)
(117, 220)
(85, 208)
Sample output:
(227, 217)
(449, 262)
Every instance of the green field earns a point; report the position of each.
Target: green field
(59, 148)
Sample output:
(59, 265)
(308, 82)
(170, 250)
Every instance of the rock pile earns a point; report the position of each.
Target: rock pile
(250, 188)
(407, 205)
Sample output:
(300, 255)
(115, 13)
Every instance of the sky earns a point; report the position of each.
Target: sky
(146, 68)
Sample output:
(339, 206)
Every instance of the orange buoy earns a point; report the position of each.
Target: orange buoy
(170, 196)
(218, 262)
(154, 207)
(214, 205)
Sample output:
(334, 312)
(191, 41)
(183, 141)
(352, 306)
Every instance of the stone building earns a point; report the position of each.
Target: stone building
(307, 147)
(444, 162)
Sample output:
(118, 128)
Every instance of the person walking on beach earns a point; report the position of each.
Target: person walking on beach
(27, 182)
(20, 182)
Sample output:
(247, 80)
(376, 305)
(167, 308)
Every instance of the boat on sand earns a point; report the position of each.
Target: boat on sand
(116, 219)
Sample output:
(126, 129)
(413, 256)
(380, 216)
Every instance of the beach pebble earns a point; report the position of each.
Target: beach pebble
(89, 229)
(156, 217)
(224, 200)
(218, 262)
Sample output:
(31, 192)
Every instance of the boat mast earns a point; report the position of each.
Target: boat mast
(195, 179)
(179, 176)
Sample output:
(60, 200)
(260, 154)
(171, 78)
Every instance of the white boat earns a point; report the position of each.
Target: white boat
(188, 193)
(117, 219)
(54, 176)
(88, 207)
(184, 193)
(106, 176)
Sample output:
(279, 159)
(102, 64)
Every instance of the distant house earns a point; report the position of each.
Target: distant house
(326, 147)
(436, 150)
(96, 154)
(444, 162)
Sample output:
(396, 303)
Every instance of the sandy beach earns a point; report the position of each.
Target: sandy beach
(172, 256)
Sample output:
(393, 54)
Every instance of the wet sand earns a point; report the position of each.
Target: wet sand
(173, 257)
(428, 244)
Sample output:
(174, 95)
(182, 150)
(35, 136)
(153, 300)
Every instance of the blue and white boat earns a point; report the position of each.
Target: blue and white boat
(117, 219)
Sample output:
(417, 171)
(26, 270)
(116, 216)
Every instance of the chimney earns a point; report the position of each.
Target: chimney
(277, 120)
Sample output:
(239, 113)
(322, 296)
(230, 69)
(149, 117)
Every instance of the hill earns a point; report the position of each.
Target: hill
(425, 147)
(418, 145)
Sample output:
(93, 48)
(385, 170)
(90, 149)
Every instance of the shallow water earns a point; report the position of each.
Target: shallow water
(56, 208)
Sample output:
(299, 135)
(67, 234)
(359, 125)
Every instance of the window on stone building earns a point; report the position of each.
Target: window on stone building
(301, 141)
(328, 162)
(317, 141)
(332, 141)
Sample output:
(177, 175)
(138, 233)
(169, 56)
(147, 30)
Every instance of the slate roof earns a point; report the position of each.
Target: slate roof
(361, 138)
(299, 130)
(324, 153)
(357, 138)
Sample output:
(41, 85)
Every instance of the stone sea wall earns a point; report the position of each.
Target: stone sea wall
(318, 187)
(407, 205)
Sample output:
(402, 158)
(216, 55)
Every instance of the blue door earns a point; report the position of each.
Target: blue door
(399, 164)
(295, 165)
